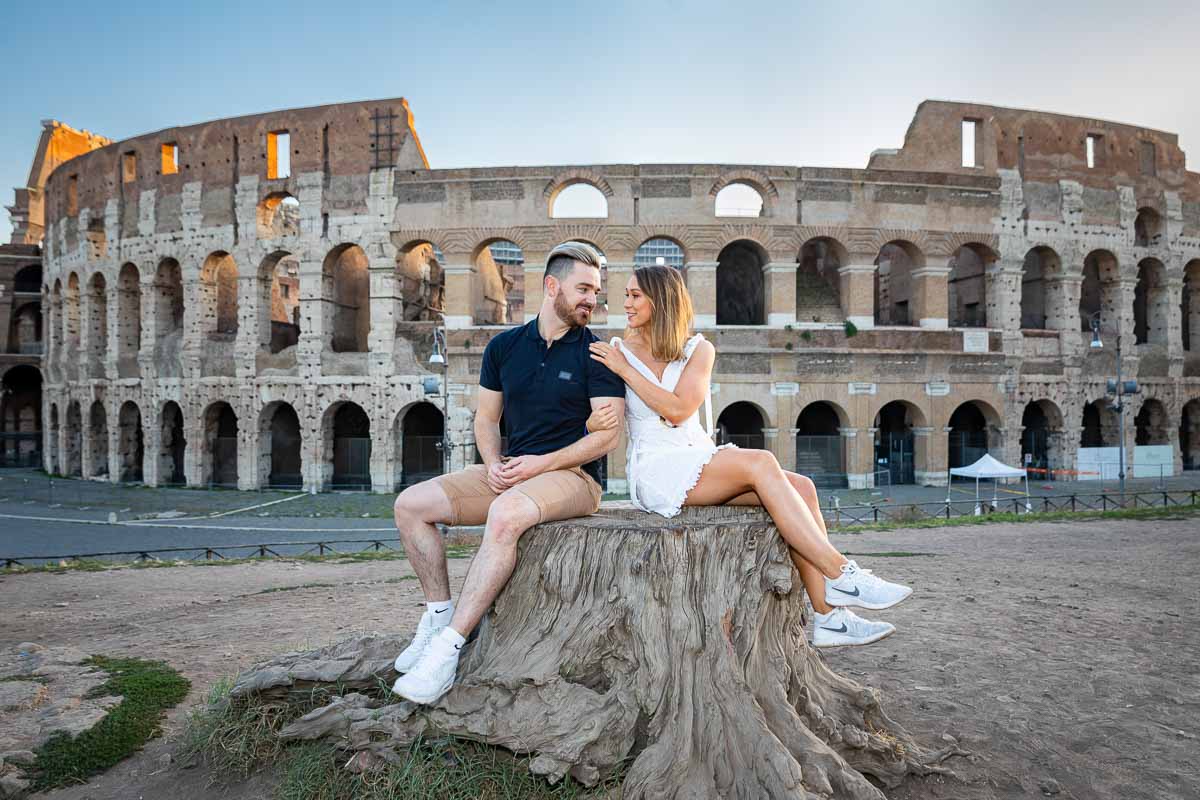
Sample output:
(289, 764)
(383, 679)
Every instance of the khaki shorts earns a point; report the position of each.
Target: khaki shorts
(562, 494)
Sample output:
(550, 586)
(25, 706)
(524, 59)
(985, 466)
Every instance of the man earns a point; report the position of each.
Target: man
(541, 377)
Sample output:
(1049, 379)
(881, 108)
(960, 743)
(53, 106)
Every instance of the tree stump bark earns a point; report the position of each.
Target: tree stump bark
(672, 648)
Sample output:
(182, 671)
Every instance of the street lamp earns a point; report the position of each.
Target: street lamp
(439, 359)
(1118, 389)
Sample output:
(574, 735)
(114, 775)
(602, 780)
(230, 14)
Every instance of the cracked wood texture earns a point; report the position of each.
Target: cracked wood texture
(673, 649)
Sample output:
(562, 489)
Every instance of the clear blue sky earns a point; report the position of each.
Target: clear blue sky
(551, 83)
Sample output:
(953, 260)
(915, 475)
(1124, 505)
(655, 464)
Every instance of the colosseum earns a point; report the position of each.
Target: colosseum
(254, 301)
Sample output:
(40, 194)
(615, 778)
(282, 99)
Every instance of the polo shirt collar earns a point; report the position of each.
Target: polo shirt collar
(531, 330)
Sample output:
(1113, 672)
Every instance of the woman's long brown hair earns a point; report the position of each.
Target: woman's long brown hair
(671, 311)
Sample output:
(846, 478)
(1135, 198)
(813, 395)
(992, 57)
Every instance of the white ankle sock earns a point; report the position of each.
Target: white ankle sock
(448, 641)
(441, 611)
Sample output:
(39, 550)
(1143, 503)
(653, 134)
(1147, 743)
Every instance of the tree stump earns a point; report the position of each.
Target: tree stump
(672, 648)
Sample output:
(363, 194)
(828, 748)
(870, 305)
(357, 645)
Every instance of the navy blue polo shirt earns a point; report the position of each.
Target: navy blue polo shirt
(547, 389)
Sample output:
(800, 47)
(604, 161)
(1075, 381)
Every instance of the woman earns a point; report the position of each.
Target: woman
(672, 461)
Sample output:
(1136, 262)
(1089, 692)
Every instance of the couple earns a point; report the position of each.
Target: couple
(563, 395)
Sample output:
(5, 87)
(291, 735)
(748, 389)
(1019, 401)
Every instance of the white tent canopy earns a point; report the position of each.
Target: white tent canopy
(988, 467)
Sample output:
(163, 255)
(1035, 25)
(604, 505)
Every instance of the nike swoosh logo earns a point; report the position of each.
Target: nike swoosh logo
(441, 611)
(842, 629)
(843, 591)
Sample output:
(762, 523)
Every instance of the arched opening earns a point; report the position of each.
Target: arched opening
(738, 200)
(1100, 425)
(219, 296)
(579, 200)
(894, 284)
(499, 267)
(172, 445)
(220, 462)
(661, 251)
(97, 324)
(895, 444)
(968, 286)
(819, 450)
(1151, 303)
(1189, 307)
(1041, 301)
(54, 333)
(1152, 424)
(98, 436)
(968, 433)
(28, 280)
(347, 431)
(1041, 424)
(53, 461)
(740, 287)
(1100, 291)
(346, 299)
(278, 215)
(421, 430)
(818, 284)
(129, 321)
(21, 417)
(742, 424)
(279, 447)
(130, 443)
(72, 457)
(168, 306)
(71, 320)
(25, 330)
(279, 302)
(422, 282)
(1189, 434)
(1147, 228)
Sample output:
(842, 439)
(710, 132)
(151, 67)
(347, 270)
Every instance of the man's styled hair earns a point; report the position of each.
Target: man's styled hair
(562, 259)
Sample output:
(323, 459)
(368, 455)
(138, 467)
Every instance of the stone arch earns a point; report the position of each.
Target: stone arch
(131, 447)
(739, 199)
(25, 329)
(820, 447)
(129, 320)
(219, 295)
(279, 301)
(219, 451)
(572, 176)
(1099, 425)
(578, 198)
(1147, 228)
(1151, 303)
(346, 446)
(818, 284)
(1189, 434)
(671, 250)
(418, 435)
(763, 186)
(422, 281)
(740, 285)
(1152, 424)
(21, 416)
(973, 432)
(899, 453)
(967, 285)
(280, 447)
(500, 279)
(894, 282)
(1043, 446)
(346, 299)
(72, 455)
(278, 215)
(742, 423)
(28, 279)
(98, 437)
(1189, 306)
(1100, 292)
(97, 323)
(72, 318)
(172, 445)
(1042, 299)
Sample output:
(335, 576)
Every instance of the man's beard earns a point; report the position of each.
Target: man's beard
(574, 316)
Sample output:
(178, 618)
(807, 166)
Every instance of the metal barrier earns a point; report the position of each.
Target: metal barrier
(265, 550)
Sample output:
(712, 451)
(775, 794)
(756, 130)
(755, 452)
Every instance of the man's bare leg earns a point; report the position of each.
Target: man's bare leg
(418, 509)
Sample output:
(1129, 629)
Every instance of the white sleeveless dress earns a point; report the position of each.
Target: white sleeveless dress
(664, 462)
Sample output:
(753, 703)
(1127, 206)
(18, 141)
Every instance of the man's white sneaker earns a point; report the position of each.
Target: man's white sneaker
(843, 628)
(429, 625)
(433, 675)
(858, 587)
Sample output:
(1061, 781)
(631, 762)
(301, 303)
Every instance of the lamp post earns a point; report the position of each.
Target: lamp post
(1118, 389)
(439, 358)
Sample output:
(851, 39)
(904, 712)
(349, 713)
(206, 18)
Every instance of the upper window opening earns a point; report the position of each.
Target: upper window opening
(971, 131)
(579, 200)
(739, 200)
(170, 158)
(279, 155)
(1093, 150)
(72, 195)
(1148, 159)
(129, 167)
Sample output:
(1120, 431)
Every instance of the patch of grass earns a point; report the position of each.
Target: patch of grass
(275, 589)
(24, 679)
(147, 689)
(431, 769)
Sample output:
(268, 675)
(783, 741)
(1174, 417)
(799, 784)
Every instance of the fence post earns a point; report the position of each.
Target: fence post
(1072, 502)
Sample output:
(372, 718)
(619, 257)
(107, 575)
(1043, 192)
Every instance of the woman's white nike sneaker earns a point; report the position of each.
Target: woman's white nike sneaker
(843, 628)
(858, 587)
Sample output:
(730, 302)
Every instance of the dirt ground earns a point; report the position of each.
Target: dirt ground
(1065, 656)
